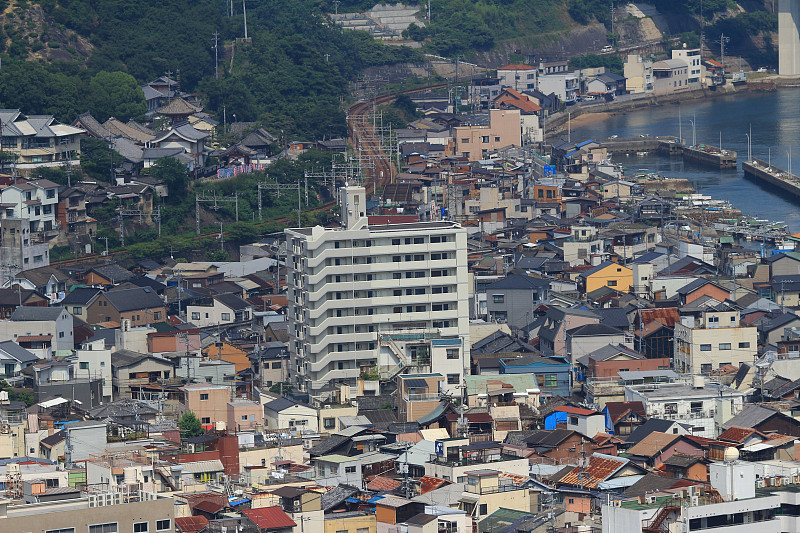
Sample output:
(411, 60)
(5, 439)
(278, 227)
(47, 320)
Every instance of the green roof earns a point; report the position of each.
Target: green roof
(500, 518)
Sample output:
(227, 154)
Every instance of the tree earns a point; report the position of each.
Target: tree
(115, 94)
(190, 425)
(282, 387)
(173, 173)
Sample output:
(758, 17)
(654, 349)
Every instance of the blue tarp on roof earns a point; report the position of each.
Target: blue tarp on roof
(238, 501)
(375, 499)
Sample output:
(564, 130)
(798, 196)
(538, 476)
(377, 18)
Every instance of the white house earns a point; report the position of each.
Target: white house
(40, 321)
(517, 76)
(94, 360)
(223, 309)
(283, 413)
(13, 358)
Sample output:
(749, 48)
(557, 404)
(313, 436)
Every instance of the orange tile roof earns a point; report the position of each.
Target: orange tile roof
(383, 484)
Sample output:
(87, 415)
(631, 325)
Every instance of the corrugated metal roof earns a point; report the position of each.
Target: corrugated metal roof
(600, 468)
(198, 467)
(268, 518)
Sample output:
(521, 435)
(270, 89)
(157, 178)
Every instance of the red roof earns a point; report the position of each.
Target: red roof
(427, 484)
(516, 66)
(476, 418)
(208, 506)
(666, 315)
(269, 518)
(575, 410)
(191, 524)
(381, 483)
(616, 410)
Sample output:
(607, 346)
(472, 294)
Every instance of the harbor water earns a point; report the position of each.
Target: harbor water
(775, 121)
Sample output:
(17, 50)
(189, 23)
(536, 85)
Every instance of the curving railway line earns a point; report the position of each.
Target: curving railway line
(363, 137)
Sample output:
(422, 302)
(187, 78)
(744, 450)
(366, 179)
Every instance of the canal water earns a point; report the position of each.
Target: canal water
(775, 121)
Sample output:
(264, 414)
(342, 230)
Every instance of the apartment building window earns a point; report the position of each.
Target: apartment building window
(465, 139)
(396, 258)
(349, 470)
(336, 244)
(141, 527)
(164, 525)
(420, 309)
(395, 242)
(452, 353)
(705, 368)
(441, 323)
(419, 240)
(276, 364)
(110, 527)
(744, 345)
(705, 347)
(195, 316)
(436, 239)
(77, 310)
(398, 292)
(419, 291)
(724, 346)
(397, 275)
(205, 420)
(670, 408)
(203, 397)
(452, 379)
(328, 423)
(62, 530)
(485, 139)
(498, 298)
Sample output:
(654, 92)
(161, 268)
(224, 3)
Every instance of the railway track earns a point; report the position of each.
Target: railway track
(368, 143)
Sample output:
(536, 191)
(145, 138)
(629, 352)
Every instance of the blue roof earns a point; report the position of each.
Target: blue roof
(584, 143)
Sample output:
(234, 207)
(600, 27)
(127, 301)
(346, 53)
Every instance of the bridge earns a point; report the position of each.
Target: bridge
(789, 37)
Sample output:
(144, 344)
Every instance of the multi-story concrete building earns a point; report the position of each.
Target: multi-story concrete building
(504, 129)
(713, 339)
(122, 510)
(703, 406)
(376, 298)
(639, 74)
(695, 63)
(564, 86)
(517, 76)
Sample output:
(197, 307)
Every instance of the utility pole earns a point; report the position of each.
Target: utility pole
(106, 239)
(221, 238)
(216, 54)
(244, 12)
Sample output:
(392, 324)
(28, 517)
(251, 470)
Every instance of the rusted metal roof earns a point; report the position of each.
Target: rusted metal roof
(665, 315)
(601, 467)
(737, 434)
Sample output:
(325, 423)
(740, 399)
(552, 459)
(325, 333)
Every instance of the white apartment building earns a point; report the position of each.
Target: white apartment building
(565, 86)
(376, 298)
(518, 76)
(692, 58)
(94, 360)
(702, 406)
(711, 340)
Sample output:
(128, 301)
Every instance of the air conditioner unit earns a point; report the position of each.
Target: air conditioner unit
(695, 501)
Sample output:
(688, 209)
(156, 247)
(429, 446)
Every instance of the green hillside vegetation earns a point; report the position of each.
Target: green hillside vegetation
(283, 79)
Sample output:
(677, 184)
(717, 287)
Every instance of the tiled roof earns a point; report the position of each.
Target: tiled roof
(616, 410)
(652, 444)
(383, 484)
(575, 410)
(208, 506)
(269, 518)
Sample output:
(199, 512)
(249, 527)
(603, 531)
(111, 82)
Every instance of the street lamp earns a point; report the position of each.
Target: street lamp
(749, 158)
(694, 140)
